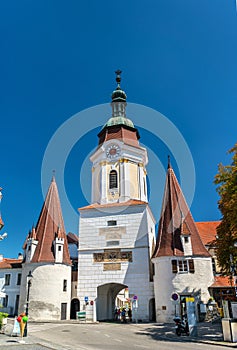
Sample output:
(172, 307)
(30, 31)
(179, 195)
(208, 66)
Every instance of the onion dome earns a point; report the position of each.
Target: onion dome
(118, 95)
(119, 106)
(119, 121)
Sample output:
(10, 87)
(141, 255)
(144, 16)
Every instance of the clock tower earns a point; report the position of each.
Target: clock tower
(117, 230)
(119, 163)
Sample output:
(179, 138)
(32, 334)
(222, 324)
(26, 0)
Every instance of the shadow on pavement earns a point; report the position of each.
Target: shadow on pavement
(206, 332)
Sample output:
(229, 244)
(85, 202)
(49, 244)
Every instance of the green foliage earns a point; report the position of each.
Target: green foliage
(2, 316)
(226, 181)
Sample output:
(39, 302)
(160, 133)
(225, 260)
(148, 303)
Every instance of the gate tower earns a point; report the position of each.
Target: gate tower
(117, 230)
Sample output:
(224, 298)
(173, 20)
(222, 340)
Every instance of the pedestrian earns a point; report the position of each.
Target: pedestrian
(123, 315)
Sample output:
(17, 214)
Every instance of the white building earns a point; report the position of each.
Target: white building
(46, 256)
(117, 231)
(117, 243)
(10, 282)
(183, 266)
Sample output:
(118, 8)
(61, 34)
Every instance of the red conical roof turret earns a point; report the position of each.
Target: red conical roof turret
(49, 221)
(176, 220)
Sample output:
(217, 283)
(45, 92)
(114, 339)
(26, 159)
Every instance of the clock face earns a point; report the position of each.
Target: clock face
(113, 151)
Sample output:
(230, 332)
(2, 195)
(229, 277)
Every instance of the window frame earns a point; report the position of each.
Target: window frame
(7, 281)
(183, 266)
(18, 279)
(64, 285)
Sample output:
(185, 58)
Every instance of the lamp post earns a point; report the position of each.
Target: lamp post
(28, 279)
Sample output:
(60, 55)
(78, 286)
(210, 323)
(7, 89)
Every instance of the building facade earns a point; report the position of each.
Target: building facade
(117, 231)
(46, 258)
(183, 266)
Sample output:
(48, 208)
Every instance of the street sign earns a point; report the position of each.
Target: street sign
(175, 296)
(86, 299)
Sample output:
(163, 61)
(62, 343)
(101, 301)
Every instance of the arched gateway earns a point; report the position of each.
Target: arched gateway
(117, 231)
(106, 296)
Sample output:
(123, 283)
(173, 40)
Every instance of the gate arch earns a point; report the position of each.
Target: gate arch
(106, 295)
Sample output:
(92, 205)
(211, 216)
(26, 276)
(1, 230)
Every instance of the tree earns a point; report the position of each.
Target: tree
(226, 181)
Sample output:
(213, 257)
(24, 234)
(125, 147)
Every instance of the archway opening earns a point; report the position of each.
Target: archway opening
(107, 298)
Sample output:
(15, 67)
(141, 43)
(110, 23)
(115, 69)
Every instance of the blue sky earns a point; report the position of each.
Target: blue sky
(178, 57)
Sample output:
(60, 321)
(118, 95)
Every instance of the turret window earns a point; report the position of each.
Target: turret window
(64, 285)
(113, 180)
(183, 266)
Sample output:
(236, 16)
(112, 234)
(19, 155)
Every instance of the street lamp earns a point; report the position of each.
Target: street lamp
(28, 279)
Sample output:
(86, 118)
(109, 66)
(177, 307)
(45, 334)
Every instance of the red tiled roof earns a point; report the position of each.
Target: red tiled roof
(10, 263)
(221, 281)
(49, 224)
(176, 219)
(117, 204)
(72, 238)
(207, 231)
(119, 132)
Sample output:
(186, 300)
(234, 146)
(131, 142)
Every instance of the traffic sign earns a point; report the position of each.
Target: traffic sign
(135, 297)
(86, 299)
(175, 296)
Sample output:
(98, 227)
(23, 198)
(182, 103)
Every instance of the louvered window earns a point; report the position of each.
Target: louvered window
(174, 266)
(191, 266)
(113, 180)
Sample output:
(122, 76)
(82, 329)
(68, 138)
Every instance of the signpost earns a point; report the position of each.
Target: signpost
(175, 298)
(191, 315)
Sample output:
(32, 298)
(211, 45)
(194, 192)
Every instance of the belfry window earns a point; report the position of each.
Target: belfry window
(113, 180)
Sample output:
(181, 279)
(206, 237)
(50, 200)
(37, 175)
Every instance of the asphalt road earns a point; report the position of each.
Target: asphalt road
(104, 336)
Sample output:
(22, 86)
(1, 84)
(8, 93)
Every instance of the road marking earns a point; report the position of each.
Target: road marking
(142, 346)
(107, 335)
(119, 340)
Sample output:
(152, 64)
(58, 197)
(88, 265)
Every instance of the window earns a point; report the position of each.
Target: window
(113, 180)
(183, 266)
(186, 239)
(64, 285)
(112, 223)
(5, 301)
(7, 279)
(18, 282)
(111, 243)
(59, 248)
(213, 265)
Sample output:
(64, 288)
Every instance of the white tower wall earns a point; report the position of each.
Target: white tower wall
(133, 233)
(166, 283)
(46, 291)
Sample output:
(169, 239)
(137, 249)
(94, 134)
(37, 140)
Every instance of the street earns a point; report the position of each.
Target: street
(104, 336)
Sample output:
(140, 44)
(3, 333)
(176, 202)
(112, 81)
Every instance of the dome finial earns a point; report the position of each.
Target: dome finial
(118, 77)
